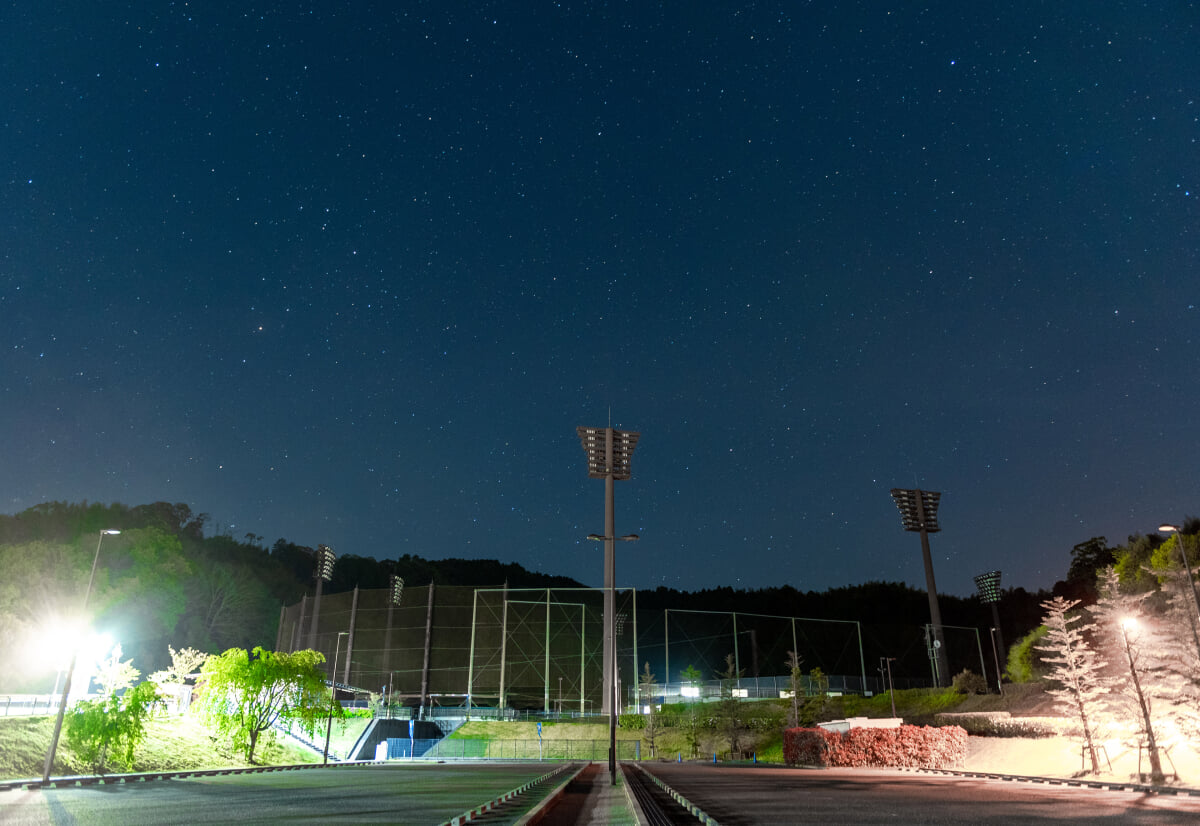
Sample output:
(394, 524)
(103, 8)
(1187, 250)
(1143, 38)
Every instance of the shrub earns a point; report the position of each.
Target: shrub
(968, 682)
(1024, 663)
(110, 729)
(631, 721)
(912, 746)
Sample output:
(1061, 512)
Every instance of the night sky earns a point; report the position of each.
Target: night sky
(353, 273)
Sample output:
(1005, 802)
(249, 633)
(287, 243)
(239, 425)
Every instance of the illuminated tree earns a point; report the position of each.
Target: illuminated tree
(243, 694)
(115, 674)
(113, 726)
(1076, 667)
(690, 677)
(1136, 640)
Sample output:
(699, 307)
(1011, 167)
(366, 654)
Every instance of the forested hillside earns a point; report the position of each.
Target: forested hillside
(162, 581)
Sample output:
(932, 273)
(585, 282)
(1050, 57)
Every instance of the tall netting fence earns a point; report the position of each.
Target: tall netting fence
(542, 648)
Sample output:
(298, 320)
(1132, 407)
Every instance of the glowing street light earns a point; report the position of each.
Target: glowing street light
(62, 703)
(1156, 773)
(918, 514)
(1187, 572)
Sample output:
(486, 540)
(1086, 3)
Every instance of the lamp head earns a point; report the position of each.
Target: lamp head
(110, 532)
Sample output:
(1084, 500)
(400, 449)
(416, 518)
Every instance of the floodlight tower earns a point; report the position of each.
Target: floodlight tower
(989, 592)
(918, 513)
(609, 453)
(324, 573)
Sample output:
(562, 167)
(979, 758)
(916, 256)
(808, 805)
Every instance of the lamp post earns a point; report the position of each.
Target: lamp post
(989, 592)
(918, 513)
(1187, 572)
(332, 694)
(887, 665)
(1156, 772)
(62, 703)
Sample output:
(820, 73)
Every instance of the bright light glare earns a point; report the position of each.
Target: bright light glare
(1129, 623)
(690, 691)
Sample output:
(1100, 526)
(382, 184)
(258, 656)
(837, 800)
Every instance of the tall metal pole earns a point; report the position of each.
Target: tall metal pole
(332, 694)
(918, 513)
(62, 703)
(610, 573)
(609, 453)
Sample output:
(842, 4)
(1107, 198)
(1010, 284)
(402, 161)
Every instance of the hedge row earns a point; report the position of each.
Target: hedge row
(910, 746)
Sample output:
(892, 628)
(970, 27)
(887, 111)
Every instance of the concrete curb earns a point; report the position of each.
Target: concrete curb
(143, 777)
(1077, 782)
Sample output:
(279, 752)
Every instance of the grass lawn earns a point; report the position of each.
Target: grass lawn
(171, 744)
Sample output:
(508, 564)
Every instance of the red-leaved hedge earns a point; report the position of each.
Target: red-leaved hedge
(910, 746)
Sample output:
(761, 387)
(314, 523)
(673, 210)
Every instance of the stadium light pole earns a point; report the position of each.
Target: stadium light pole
(332, 694)
(1187, 572)
(62, 702)
(610, 633)
(918, 513)
(989, 592)
(324, 573)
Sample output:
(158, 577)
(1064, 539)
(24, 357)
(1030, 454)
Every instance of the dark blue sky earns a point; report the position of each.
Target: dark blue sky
(353, 274)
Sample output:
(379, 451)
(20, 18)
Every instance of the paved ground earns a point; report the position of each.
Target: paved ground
(419, 795)
(740, 796)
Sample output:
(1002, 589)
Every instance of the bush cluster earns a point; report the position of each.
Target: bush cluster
(968, 682)
(909, 746)
(1003, 724)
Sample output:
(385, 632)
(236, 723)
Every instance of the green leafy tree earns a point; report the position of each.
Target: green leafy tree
(796, 676)
(691, 678)
(1077, 669)
(730, 706)
(648, 689)
(112, 727)
(243, 694)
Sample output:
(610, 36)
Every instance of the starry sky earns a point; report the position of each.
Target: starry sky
(352, 273)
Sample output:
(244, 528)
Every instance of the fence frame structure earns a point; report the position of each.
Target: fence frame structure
(475, 648)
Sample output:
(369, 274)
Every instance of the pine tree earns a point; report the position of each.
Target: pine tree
(1076, 667)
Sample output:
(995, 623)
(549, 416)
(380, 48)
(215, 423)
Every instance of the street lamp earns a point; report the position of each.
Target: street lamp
(1187, 572)
(918, 513)
(62, 703)
(1156, 772)
(989, 592)
(886, 664)
(332, 694)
